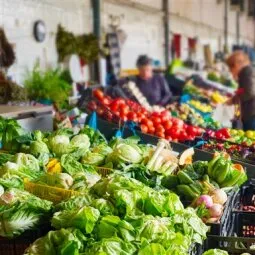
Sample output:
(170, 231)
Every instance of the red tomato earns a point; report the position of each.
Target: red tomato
(167, 124)
(105, 101)
(155, 114)
(147, 122)
(164, 117)
(219, 135)
(132, 116)
(160, 134)
(191, 130)
(140, 116)
(225, 132)
(151, 130)
(159, 128)
(124, 109)
(166, 113)
(98, 93)
(156, 120)
(120, 101)
(123, 116)
(114, 107)
(144, 128)
(168, 137)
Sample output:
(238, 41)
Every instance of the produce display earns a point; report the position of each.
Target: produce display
(111, 215)
(191, 116)
(160, 123)
(126, 211)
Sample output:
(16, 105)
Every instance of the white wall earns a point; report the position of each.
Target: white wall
(205, 19)
(145, 31)
(18, 16)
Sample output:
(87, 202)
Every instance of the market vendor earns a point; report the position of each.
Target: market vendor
(153, 86)
(241, 69)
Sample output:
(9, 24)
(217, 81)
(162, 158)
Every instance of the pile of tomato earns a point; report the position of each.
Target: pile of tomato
(161, 124)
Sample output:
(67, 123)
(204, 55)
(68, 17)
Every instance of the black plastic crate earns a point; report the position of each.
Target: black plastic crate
(233, 245)
(18, 245)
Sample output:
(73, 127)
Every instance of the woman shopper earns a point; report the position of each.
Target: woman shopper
(242, 70)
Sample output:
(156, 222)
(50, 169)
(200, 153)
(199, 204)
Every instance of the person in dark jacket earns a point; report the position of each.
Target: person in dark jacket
(241, 69)
(153, 86)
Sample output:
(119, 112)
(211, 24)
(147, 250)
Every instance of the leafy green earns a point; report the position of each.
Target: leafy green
(83, 219)
(96, 138)
(110, 226)
(110, 246)
(215, 252)
(72, 166)
(10, 130)
(5, 157)
(60, 144)
(47, 85)
(105, 207)
(85, 180)
(60, 180)
(152, 249)
(75, 202)
(93, 158)
(21, 211)
(64, 241)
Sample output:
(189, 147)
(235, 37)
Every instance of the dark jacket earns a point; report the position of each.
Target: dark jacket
(246, 80)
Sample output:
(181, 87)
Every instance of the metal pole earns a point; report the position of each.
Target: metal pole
(95, 68)
(237, 27)
(165, 5)
(226, 26)
(96, 17)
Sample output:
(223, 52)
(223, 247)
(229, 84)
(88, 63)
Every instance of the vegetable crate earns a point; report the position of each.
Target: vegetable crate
(233, 245)
(50, 193)
(245, 211)
(224, 227)
(18, 245)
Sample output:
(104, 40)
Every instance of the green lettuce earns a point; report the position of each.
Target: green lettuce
(110, 226)
(83, 219)
(64, 241)
(74, 203)
(110, 246)
(215, 252)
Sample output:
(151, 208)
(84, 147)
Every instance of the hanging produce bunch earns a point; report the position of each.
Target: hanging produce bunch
(86, 46)
(7, 55)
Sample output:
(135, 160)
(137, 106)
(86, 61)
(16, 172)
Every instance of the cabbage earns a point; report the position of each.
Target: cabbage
(152, 249)
(75, 202)
(94, 159)
(105, 207)
(60, 144)
(83, 219)
(21, 211)
(125, 153)
(215, 252)
(27, 161)
(60, 180)
(24, 166)
(38, 147)
(111, 246)
(64, 241)
(103, 149)
(81, 141)
(85, 180)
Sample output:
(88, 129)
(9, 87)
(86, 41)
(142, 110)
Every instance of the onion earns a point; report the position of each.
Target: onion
(219, 196)
(216, 211)
(212, 220)
(205, 199)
